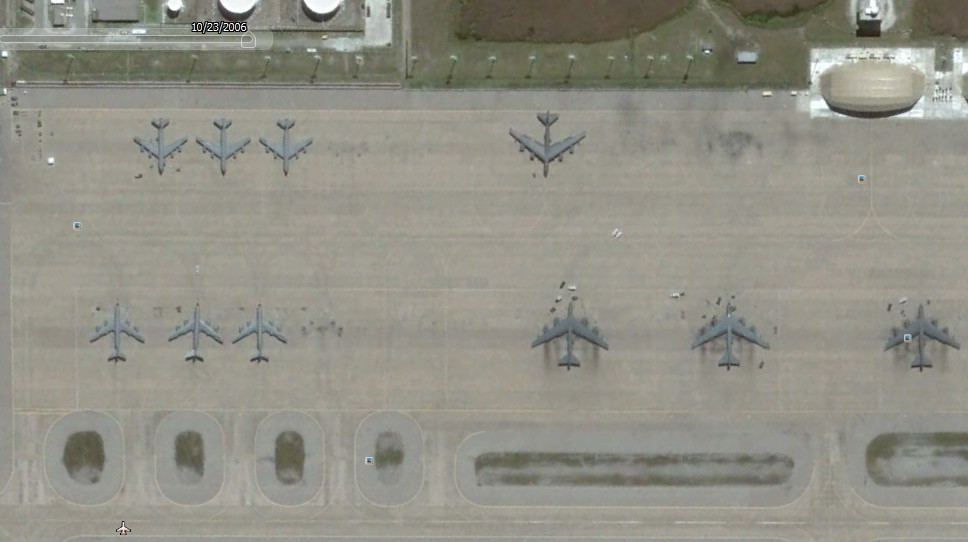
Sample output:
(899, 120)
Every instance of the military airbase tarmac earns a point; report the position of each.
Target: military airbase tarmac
(415, 226)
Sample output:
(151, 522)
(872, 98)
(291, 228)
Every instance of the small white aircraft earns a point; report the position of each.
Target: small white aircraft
(122, 530)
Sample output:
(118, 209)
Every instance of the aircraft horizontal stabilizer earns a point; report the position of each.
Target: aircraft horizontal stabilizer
(920, 362)
(569, 360)
(193, 355)
(118, 356)
(728, 360)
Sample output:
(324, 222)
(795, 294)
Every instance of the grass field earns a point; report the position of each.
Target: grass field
(562, 21)
(659, 58)
(296, 66)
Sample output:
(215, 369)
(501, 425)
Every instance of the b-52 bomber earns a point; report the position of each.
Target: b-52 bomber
(919, 329)
(548, 151)
(224, 149)
(287, 150)
(730, 326)
(196, 326)
(117, 326)
(258, 327)
(156, 147)
(571, 327)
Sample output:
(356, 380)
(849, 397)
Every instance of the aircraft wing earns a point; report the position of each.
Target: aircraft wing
(170, 149)
(209, 147)
(271, 147)
(746, 333)
(180, 330)
(556, 331)
(298, 147)
(273, 331)
(236, 147)
(938, 335)
(131, 331)
(589, 335)
(713, 332)
(533, 147)
(152, 150)
(899, 338)
(244, 332)
(102, 330)
(560, 147)
(207, 329)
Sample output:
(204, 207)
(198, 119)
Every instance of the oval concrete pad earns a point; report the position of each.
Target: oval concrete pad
(660, 444)
(396, 475)
(111, 476)
(313, 465)
(864, 428)
(188, 487)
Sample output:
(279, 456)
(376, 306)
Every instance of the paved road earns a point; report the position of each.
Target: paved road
(301, 98)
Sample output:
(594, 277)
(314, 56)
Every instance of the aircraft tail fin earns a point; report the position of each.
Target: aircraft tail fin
(920, 362)
(286, 124)
(548, 118)
(569, 360)
(222, 124)
(258, 357)
(193, 356)
(159, 123)
(118, 356)
(728, 360)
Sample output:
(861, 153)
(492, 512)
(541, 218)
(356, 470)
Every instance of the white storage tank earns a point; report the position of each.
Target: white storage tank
(321, 10)
(174, 7)
(237, 9)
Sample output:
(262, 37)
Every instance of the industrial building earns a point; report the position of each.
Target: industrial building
(872, 87)
(115, 11)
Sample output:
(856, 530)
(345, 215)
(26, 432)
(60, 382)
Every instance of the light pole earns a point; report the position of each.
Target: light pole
(531, 59)
(312, 78)
(648, 68)
(413, 65)
(490, 68)
(571, 64)
(356, 70)
(70, 64)
(685, 76)
(191, 70)
(265, 68)
(608, 70)
(453, 64)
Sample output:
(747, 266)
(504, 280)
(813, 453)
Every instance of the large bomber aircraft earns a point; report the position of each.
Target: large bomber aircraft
(287, 150)
(196, 326)
(224, 149)
(117, 326)
(919, 329)
(258, 327)
(547, 151)
(730, 326)
(571, 327)
(156, 147)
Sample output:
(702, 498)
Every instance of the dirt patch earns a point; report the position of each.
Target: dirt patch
(562, 21)
(388, 457)
(945, 17)
(84, 457)
(290, 457)
(630, 470)
(735, 144)
(776, 8)
(190, 457)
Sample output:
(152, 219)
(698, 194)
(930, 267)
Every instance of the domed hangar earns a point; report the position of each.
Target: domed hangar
(872, 88)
